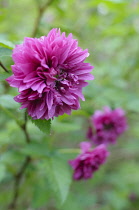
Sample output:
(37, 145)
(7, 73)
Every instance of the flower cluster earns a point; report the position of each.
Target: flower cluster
(89, 161)
(50, 73)
(107, 125)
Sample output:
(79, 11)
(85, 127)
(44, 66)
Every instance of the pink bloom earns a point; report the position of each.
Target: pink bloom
(108, 125)
(89, 161)
(50, 73)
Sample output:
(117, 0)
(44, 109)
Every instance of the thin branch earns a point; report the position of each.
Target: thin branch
(18, 177)
(41, 11)
(24, 128)
(5, 69)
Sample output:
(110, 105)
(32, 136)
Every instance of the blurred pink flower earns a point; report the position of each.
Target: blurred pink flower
(89, 161)
(108, 125)
(49, 73)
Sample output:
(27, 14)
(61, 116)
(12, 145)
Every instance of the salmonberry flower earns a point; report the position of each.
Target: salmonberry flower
(49, 73)
(108, 125)
(89, 161)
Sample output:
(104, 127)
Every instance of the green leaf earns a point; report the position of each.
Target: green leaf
(5, 52)
(62, 176)
(41, 192)
(43, 125)
(7, 101)
(4, 75)
(59, 177)
(7, 44)
(36, 150)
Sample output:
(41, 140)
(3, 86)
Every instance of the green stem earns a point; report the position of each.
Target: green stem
(4, 68)
(24, 128)
(41, 11)
(18, 178)
(19, 175)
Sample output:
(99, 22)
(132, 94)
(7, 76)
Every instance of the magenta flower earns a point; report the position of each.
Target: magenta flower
(108, 125)
(89, 161)
(49, 73)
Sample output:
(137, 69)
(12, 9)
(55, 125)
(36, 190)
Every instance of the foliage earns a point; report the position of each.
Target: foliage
(43, 125)
(110, 31)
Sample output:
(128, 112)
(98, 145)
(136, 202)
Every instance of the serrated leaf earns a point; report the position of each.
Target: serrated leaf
(4, 75)
(6, 44)
(59, 177)
(43, 125)
(5, 52)
(7, 101)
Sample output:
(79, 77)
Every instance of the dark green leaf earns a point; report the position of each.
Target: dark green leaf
(43, 125)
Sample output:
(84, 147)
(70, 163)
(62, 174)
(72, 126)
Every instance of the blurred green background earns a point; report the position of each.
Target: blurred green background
(110, 31)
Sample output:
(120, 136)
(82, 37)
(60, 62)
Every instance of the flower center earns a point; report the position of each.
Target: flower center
(108, 126)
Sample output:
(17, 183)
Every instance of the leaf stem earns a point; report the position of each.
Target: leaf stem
(5, 69)
(24, 128)
(41, 11)
(18, 177)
